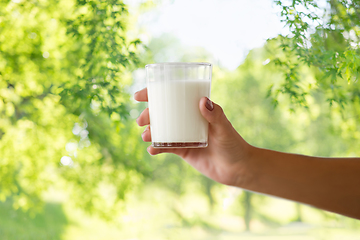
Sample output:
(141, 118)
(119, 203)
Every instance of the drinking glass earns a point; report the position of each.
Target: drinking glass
(174, 91)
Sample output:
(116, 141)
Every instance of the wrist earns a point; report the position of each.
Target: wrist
(245, 171)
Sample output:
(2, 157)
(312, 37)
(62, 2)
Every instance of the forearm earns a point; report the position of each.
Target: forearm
(331, 184)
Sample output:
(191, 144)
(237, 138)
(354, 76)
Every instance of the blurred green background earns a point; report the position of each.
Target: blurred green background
(72, 162)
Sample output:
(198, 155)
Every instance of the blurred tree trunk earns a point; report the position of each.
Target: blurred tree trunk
(248, 209)
(208, 185)
(299, 217)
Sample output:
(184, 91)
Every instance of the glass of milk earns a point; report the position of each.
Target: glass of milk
(174, 92)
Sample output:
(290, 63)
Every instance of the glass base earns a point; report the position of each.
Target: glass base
(179, 144)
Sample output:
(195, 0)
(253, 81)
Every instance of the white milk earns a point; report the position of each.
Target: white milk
(174, 111)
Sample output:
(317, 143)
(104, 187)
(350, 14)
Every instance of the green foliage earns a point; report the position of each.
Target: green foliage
(102, 53)
(327, 41)
(64, 70)
(64, 67)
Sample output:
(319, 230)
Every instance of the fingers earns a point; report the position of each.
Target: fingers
(178, 151)
(146, 135)
(144, 118)
(141, 95)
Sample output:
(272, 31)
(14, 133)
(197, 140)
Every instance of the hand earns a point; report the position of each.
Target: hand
(225, 157)
(327, 183)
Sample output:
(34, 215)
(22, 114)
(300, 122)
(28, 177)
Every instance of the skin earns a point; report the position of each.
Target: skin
(331, 184)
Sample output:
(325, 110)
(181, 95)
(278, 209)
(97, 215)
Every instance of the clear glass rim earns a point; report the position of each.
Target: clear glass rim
(179, 64)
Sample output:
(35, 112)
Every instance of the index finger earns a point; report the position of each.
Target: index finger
(141, 95)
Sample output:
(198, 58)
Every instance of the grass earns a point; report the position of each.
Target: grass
(20, 225)
(150, 214)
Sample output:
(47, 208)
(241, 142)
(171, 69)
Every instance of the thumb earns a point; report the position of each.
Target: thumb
(212, 112)
(219, 125)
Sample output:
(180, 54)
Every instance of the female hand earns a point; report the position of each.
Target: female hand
(224, 159)
(328, 183)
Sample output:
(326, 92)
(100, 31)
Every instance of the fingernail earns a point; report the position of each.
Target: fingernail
(209, 105)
